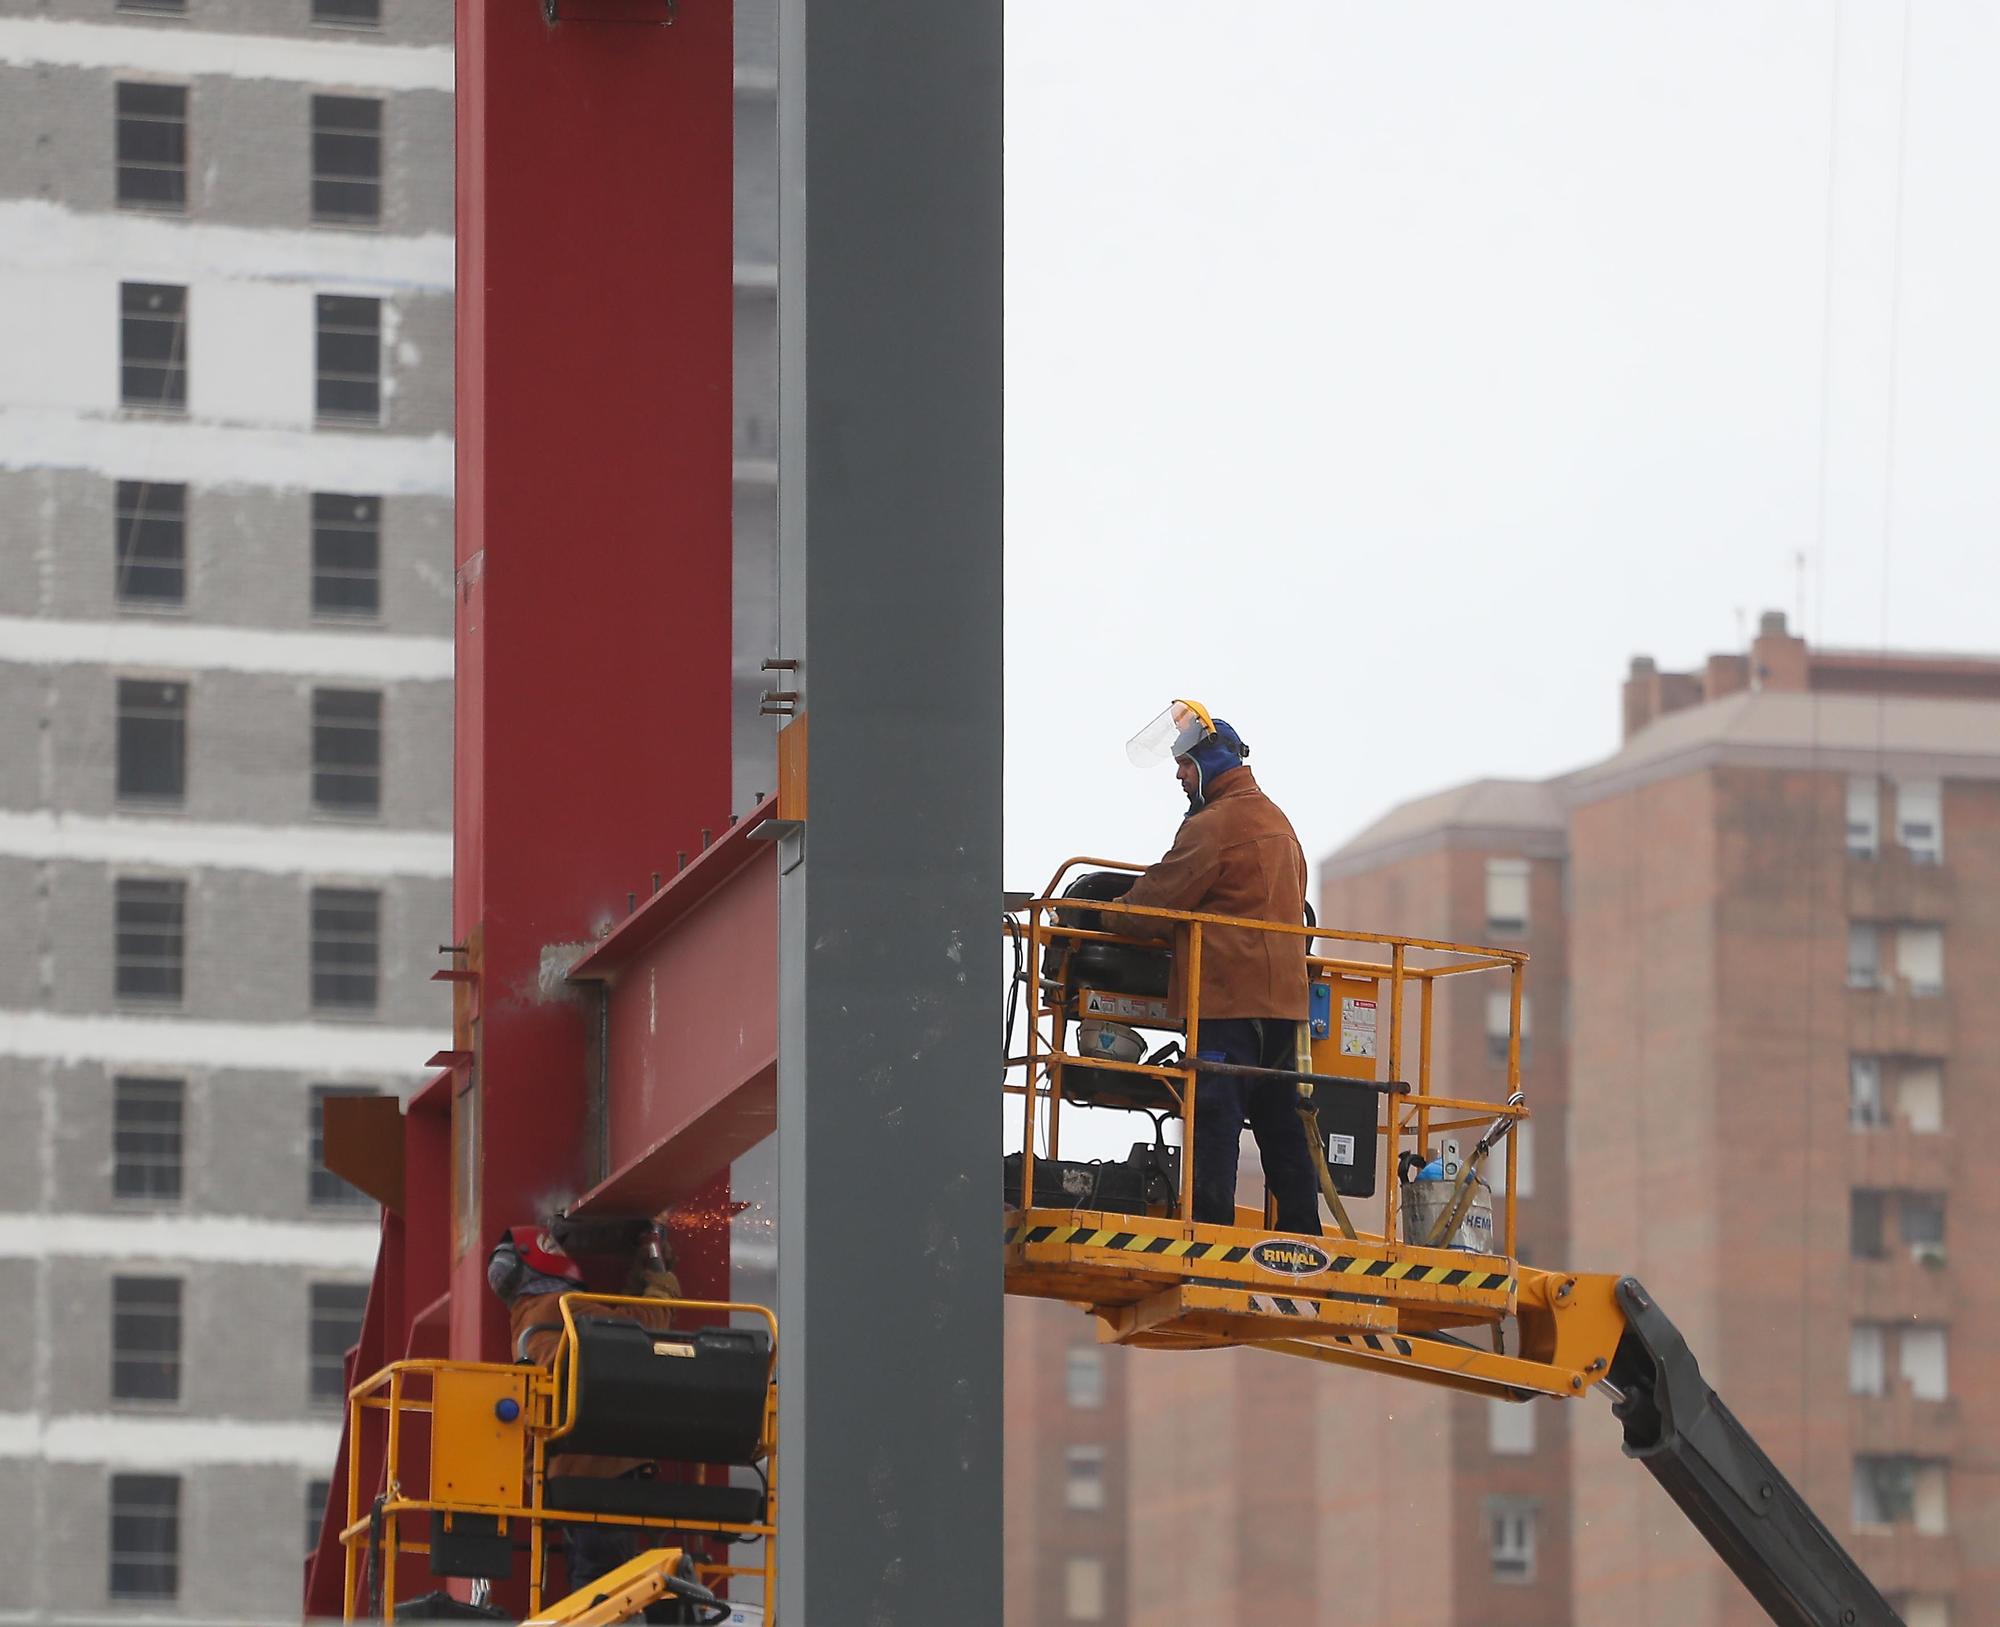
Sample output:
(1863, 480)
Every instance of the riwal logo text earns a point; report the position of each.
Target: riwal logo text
(1293, 1258)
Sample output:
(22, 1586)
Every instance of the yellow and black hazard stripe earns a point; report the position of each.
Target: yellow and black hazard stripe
(1181, 1248)
(1383, 1344)
(1281, 1305)
(1173, 1248)
(1445, 1276)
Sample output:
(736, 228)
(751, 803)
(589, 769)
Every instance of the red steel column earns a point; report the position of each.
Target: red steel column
(593, 617)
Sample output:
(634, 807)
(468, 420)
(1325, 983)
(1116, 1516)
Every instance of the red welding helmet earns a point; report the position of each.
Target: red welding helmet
(542, 1254)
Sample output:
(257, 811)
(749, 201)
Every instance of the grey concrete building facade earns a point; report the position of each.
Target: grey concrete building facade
(225, 794)
(226, 471)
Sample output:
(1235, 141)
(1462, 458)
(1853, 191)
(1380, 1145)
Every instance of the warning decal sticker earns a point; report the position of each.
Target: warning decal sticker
(1357, 1027)
(1131, 1008)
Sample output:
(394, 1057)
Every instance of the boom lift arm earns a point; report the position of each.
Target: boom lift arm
(1407, 1300)
(1731, 1493)
(1675, 1424)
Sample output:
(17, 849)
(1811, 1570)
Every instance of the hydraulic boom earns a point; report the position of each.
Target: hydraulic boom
(1436, 1294)
(1730, 1491)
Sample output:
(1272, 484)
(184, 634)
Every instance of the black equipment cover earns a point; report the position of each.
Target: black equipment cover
(694, 1396)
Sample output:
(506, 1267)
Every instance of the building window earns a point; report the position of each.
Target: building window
(152, 146)
(152, 740)
(1499, 1018)
(1510, 1529)
(1922, 1217)
(346, 160)
(149, 920)
(152, 341)
(1510, 1428)
(348, 369)
(346, 947)
(347, 750)
(145, 1339)
(146, 1139)
(1083, 1478)
(336, 1326)
(1083, 1376)
(1920, 1360)
(1865, 1110)
(1864, 815)
(1495, 1168)
(1920, 959)
(1919, 1350)
(317, 1492)
(324, 1189)
(164, 8)
(347, 13)
(1884, 1490)
(1864, 969)
(1866, 1236)
(1507, 898)
(1920, 1224)
(1920, 1096)
(1083, 1588)
(346, 555)
(145, 1544)
(149, 544)
(1867, 1360)
(1892, 1490)
(1911, 1089)
(1920, 819)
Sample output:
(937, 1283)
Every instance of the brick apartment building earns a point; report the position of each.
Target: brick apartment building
(1067, 1487)
(1762, 1079)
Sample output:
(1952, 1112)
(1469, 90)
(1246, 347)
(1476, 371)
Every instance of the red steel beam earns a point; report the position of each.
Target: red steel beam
(594, 559)
(404, 1316)
(688, 986)
(593, 610)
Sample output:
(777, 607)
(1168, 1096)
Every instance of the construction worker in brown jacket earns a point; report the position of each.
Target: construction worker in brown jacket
(531, 1271)
(1235, 854)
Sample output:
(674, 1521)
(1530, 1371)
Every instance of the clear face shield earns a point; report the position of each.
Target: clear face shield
(1174, 733)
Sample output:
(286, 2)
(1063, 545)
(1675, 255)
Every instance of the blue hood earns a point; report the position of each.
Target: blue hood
(1213, 758)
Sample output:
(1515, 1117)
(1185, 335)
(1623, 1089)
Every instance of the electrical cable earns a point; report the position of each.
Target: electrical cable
(1013, 929)
(695, 1594)
(1015, 984)
(1309, 1122)
(1818, 629)
(747, 1538)
(1815, 837)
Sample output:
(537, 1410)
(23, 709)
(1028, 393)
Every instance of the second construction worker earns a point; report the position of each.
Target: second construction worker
(1235, 854)
(531, 1271)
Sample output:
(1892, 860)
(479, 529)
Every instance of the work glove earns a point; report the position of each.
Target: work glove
(652, 1274)
(643, 1282)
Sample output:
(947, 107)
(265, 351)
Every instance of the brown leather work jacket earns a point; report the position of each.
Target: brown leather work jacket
(1235, 855)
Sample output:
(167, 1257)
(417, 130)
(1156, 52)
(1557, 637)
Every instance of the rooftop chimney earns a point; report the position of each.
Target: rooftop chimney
(1651, 693)
(1725, 675)
(1778, 658)
(1641, 694)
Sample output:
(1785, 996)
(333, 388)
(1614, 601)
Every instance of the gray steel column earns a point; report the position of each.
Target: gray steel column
(890, 598)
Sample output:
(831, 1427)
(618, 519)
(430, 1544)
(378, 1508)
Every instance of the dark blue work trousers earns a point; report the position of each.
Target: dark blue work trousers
(1223, 1101)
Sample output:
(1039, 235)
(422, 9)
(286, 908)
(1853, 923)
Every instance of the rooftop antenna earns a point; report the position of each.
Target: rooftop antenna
(1742, 628)
(1799, 563)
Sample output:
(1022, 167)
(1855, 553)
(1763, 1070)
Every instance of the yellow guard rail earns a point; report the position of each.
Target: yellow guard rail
(481, 1463)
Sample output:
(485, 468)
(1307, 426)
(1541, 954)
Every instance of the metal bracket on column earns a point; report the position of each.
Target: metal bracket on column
(790, 835)
(780, 702)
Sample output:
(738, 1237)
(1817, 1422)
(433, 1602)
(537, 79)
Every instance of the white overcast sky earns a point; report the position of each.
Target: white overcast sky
(1387, 375)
